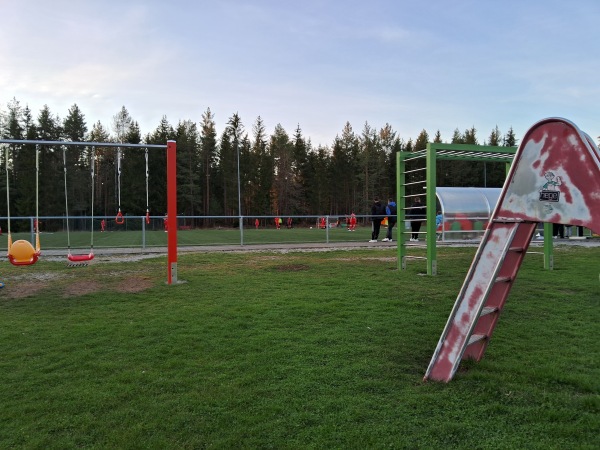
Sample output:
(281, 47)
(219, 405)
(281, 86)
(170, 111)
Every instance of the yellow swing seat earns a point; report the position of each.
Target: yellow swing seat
(22, 253)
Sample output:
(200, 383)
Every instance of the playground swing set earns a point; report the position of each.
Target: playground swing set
(82, 258)
(120, 219)
(23, 253)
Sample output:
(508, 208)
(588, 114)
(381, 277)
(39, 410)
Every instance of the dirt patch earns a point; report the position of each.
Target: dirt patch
(369, 258)
(135, 284)
(292, 268)
(22, 290)
(82, 287)
(28, 284)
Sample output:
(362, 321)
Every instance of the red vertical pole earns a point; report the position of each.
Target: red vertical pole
(172, 211)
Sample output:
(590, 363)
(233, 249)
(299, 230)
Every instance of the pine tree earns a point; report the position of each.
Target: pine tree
(494, 173)
(189, 197)
(367, 160)
(105, 188)
(284, 186)
(300, 170)
(131, 191)
(390, 145)
(422, 141)
(232, 177)
(208, 160)
(345, 170)
(13, 121)
(21, 165)
(474, 172)
(246, 173)
(457, 137)
(262, 180)
(373, 159)
(51, 187)
(495, 137)
(226, 167)
(470, 136)
(157, 165)
(318, 183)
(510, 139)
(78, 160)
(122, 122)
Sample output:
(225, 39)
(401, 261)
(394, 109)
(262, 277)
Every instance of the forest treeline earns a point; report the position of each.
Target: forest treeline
(279, 173)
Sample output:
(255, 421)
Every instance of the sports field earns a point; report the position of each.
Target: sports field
(212, 236)
(292, 350)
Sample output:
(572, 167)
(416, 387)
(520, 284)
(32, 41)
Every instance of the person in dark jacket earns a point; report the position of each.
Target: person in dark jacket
(416, 214)
(391, 212)
(377, 215)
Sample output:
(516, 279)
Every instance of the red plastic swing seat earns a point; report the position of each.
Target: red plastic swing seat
(22, 253)
(80, 258)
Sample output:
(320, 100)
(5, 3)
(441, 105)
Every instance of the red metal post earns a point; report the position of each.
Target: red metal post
(172, 211)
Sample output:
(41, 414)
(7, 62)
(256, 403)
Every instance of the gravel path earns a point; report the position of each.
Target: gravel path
(136, 254)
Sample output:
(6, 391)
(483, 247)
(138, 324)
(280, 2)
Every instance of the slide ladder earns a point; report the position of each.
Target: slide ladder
(555, 177)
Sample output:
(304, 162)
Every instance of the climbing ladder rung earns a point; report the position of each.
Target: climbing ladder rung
(416, 170)
(516, 249)
(476, 338)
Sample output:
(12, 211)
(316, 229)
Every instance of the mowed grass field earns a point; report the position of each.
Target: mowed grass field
(209, 236)
(293, 350)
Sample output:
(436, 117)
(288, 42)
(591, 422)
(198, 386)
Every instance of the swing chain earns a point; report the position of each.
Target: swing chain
(119, 220)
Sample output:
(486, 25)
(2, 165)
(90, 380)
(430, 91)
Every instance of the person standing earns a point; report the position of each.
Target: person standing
(416, 214)
(558, 230)
(568, 231)
(352, 222)
(439, 225)
(391, 210)
(377, 214)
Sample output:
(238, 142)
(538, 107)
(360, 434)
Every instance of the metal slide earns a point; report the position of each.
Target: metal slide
(555, 177)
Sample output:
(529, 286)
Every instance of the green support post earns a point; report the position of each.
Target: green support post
(430, 211)
(548, 246)
(401, 205)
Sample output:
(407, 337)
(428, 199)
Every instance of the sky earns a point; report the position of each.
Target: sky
(436, 65)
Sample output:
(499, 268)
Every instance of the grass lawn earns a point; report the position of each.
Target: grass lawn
(212, 236)
(293, 350)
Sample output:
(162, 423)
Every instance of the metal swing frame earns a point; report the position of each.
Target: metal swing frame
(32, 254)
(80, 257)
(171, 158)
